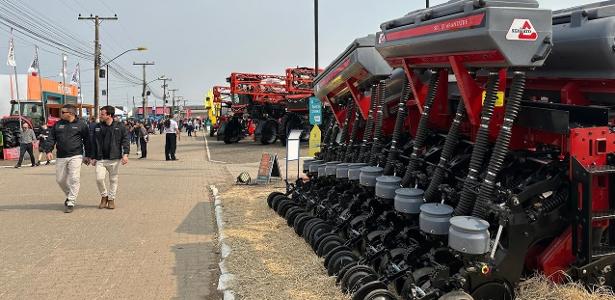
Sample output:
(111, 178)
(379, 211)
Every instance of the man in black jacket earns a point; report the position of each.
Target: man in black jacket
(71, 138)
(110, 147)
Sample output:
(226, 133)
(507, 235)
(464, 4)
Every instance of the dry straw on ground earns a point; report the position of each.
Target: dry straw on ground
(541, 288)
(268, 259)
(271, 262)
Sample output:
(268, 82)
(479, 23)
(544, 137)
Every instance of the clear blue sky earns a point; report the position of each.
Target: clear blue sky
(199, 43)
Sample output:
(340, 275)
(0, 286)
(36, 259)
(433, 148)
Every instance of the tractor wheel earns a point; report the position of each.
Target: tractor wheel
(232, 132)
(291, 121)
(338, 260)
(271, 196)
(269, 133)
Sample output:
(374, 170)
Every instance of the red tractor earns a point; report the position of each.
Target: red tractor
(268, 106)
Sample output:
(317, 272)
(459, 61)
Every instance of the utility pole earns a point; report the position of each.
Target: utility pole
(427, 3)
(97, 20)
(144, 64)
(316, 37)
(164, 93)
(173, 100)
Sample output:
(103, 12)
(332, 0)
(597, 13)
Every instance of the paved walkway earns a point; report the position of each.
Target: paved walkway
(158, 243)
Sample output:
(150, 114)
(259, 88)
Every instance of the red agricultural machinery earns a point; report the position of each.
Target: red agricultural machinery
(271, 104)
(484, 154)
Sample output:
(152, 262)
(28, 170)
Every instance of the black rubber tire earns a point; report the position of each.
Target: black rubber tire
(280, 203)
(291, 214)
(343, 271)
(333, 251)
(367, 288)
(269, 132)
(300, 222)
(318, 231)
(359, 280)
(381, 294)
(308, 226)
(282, 209)
(328, 244)
(276, 201)
(338, 260)
(232, 133)
(270, 197)
(350, 276)
(320, 239)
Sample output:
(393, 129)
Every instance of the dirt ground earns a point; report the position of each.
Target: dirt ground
(270, 261)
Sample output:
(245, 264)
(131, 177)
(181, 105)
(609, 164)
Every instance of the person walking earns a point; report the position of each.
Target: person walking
(42, 140)
(172, 135)
(110, 148)
(70, 136)
(189, 127)
(143, 139)
(26, 138)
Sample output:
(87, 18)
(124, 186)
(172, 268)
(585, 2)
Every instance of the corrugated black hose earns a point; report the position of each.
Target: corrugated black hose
(389, 168)
(369, 126)
(345, 131)
(350, 149)
(377, 139)
(431, 194)
(422, 130)
(500, 150)
(481, 147)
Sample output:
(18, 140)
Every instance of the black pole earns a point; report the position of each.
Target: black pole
(427, 3)
(316, 37)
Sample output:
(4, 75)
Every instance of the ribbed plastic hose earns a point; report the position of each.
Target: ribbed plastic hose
(389, 167)
(500, 150)
(422, 130)
(452, 139)
(369, 126)
(481, 147)
(330, 153)
(377, 139)
(350, 148)
(346, 131)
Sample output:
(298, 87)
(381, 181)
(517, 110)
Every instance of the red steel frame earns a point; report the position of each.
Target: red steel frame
(219, 91)
(559, 254)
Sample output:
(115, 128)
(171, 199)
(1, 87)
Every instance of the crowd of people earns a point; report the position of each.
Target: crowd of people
(104, 144)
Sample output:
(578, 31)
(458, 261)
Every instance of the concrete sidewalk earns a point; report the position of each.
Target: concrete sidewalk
(158, 243)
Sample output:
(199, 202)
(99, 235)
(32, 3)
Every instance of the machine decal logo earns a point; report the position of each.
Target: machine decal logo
(445, 26)
(522, 30)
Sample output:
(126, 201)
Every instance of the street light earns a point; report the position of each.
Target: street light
(110, 61)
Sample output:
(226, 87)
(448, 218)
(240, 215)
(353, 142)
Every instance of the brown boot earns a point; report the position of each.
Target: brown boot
(110, 204)
(103, 202)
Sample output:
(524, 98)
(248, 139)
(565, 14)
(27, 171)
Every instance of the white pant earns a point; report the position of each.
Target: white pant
(102, 168)
(68, 172)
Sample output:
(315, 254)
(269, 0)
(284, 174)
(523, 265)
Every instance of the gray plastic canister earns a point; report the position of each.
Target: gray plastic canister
(469, 235)
(409, 200)
(322, 170)
(331, 167)
(306, 165)
(386, 186)
(314, 166)
(354, 170)
(341, 172)
(434, 218)
(368, 176)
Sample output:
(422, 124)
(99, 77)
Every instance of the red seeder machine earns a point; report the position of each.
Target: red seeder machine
(271, 104)
(472, 144)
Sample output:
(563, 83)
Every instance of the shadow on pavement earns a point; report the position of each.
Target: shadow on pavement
(46, 206)
(198, 221)
(193, 269)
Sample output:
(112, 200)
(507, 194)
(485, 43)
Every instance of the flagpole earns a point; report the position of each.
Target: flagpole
(64, 58)
(40, 84)
(12, 48)
(79, 99)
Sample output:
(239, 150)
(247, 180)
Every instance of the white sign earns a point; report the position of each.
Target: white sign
(522, 30)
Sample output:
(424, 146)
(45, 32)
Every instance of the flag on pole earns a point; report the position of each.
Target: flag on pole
(74, 79)
(33, 70)
(10, 60)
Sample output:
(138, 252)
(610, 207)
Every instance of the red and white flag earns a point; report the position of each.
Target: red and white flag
(34, 66)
